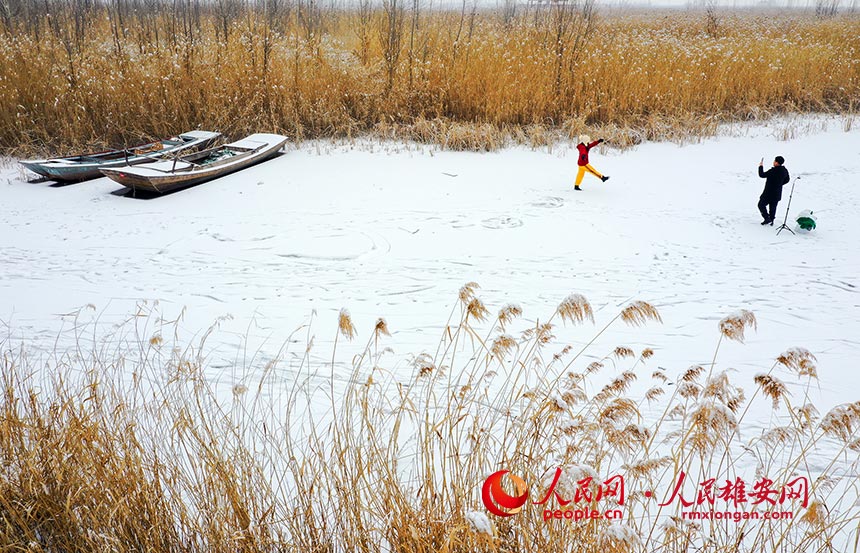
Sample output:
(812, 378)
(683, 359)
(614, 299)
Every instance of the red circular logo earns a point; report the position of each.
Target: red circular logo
(499, 502)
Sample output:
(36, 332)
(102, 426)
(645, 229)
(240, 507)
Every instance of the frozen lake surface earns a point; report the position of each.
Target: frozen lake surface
(393, 231)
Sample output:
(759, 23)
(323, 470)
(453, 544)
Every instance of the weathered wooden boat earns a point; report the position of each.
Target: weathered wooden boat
(169, 175)
(83, 167)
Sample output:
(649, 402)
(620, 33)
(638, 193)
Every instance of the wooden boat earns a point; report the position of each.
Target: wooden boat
(83, 167)
(169, 175)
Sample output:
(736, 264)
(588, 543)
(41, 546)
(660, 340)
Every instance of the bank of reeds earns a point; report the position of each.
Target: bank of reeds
(81, 74)
(128, 445)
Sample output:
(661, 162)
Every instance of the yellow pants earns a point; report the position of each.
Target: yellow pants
(583, 169)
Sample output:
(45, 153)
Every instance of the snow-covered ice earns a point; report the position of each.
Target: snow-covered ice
(393, 231)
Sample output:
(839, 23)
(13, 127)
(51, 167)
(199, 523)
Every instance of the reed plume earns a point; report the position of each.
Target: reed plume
(639, 312)
(467, 292)
(734, 325)
(772, 387)
(843, 421)
(508, 314)
(621, 352)
(502, 345)
(381, 328)
(344, 325)
(476, 310)
(799, 360)
(575, 308)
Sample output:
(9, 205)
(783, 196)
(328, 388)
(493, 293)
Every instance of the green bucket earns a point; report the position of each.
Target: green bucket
(806, 220)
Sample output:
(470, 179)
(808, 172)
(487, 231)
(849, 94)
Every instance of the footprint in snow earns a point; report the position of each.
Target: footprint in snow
(502, 222)
(222, 238)
(549, 202)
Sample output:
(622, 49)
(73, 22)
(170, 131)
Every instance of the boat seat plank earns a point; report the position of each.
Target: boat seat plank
(247, 144)
(168, 166)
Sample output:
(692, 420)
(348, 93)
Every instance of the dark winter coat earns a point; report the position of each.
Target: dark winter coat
(777, 177)
(583, 152)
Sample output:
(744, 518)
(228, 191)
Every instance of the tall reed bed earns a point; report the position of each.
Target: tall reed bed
(77, 74)
(128, 445)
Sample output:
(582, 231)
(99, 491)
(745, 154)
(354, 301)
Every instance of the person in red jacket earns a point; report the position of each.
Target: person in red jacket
(584, 146)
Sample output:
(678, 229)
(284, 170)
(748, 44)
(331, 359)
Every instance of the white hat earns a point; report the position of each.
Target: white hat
(584, 138)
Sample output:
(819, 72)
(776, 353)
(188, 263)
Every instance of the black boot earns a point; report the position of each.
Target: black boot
(576, 187)
(604, 178)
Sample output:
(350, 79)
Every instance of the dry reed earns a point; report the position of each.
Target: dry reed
(92, 74)
(136, 449)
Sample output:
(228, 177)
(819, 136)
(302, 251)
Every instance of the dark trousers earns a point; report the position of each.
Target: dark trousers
(770, 204)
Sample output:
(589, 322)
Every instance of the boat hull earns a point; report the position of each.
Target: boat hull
(74, 169)
(167, 176)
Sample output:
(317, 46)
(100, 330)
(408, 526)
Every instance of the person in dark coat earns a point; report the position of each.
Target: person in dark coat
(777, 177)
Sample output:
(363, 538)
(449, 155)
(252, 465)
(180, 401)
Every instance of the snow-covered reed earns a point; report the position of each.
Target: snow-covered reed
(126, 444)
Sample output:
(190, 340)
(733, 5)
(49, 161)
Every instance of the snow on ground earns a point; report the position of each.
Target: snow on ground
(394, 230)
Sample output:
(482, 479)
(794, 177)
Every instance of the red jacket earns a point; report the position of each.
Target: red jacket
(583, 152)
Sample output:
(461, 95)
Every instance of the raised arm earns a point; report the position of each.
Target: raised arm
(762, 173)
